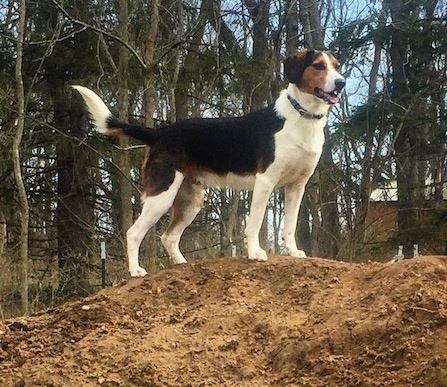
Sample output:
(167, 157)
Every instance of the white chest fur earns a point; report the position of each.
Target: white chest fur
(297, 152)
(298, 145)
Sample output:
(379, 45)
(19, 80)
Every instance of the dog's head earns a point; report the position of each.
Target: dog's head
(316, 73)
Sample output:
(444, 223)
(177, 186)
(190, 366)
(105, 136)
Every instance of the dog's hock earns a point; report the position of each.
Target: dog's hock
(171, 244)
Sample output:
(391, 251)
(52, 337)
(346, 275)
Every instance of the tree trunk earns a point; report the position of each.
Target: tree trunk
(184, 77)
(124, 164)
(2, 232)
(404, 150)
(23, 200)
(369, 166)
(149, 109)
(311, 22)
(329, 236)
(172, 111)
(229, 200)
(259, 13)
(74, 215)
(304, 231)
(291, 26)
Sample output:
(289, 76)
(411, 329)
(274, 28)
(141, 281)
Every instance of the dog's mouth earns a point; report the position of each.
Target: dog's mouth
(331, 98)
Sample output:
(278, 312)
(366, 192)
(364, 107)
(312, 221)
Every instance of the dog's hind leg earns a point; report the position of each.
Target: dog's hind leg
(153, 208)
(187, 205)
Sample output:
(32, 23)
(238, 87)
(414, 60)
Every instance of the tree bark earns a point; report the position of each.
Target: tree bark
(149, 109)
(311, 22)
(74, 215)
(369, 165)
(406, 160)
(124, 164)
(329, 234)
(23, 200)
(259, 13)
(291, 26)
(2, 232)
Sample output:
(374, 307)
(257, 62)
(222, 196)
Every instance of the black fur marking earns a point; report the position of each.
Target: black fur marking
(140, 133)
(242, 145)
(294, 65)
(157, 177)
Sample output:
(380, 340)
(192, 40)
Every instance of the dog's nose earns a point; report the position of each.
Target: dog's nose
(340, 83)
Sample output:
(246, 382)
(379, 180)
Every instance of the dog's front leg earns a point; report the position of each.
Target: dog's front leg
(293, 197)
(261, 193)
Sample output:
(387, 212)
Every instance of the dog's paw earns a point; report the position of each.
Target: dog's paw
(178, 260)
(297, 254)
(259, 255)
(137, 272)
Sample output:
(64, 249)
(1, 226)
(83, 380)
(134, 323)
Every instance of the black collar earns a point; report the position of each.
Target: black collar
(305, 113)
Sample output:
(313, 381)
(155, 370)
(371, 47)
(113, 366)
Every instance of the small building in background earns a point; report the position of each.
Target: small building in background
(382, 220)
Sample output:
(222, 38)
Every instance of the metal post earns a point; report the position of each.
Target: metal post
(103, 264)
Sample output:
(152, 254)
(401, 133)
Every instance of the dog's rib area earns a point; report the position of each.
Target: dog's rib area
(239, 145)
(213, 152)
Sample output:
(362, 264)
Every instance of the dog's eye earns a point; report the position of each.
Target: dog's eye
(319, 66)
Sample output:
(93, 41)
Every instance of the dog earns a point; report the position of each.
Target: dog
(277, 146)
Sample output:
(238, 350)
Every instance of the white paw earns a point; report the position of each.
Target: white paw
(297, 253)
(137, 272)
(179, 260)
(259, 255)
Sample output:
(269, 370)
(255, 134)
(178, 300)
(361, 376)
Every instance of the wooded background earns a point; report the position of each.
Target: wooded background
(64, 188)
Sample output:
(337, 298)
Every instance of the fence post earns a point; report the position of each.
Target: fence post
(103, 264)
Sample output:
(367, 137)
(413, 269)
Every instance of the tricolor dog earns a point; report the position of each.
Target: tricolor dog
(278, 146)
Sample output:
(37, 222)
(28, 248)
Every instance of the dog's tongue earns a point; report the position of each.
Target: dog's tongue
(332, 98)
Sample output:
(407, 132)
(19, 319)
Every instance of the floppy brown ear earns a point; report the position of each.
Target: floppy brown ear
(294, 65)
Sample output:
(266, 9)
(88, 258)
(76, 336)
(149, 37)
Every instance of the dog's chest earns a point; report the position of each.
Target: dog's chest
(298, 148)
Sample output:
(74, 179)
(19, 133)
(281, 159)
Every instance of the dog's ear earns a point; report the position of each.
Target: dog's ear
(294, 65)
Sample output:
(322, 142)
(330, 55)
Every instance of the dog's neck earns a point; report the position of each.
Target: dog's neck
(303, 111)
(306, 104)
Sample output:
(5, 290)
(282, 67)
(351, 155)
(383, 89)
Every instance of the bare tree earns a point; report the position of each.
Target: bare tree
(329, 230)
(125, 186)
(149, 105)
(23, 200)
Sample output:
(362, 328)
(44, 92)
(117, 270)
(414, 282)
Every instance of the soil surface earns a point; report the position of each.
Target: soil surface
(233, 322)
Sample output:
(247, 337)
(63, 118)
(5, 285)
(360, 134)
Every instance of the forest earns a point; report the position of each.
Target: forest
(65, 189)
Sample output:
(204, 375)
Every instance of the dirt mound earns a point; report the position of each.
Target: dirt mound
(232, 322)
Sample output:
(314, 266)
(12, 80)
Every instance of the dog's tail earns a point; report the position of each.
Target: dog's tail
(108, 124)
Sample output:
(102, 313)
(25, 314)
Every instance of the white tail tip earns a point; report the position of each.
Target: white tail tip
(96, 107)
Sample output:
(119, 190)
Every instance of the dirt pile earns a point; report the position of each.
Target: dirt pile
(231, 322)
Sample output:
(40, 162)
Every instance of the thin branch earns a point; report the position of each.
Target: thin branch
(101, 31)
(84, 143)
